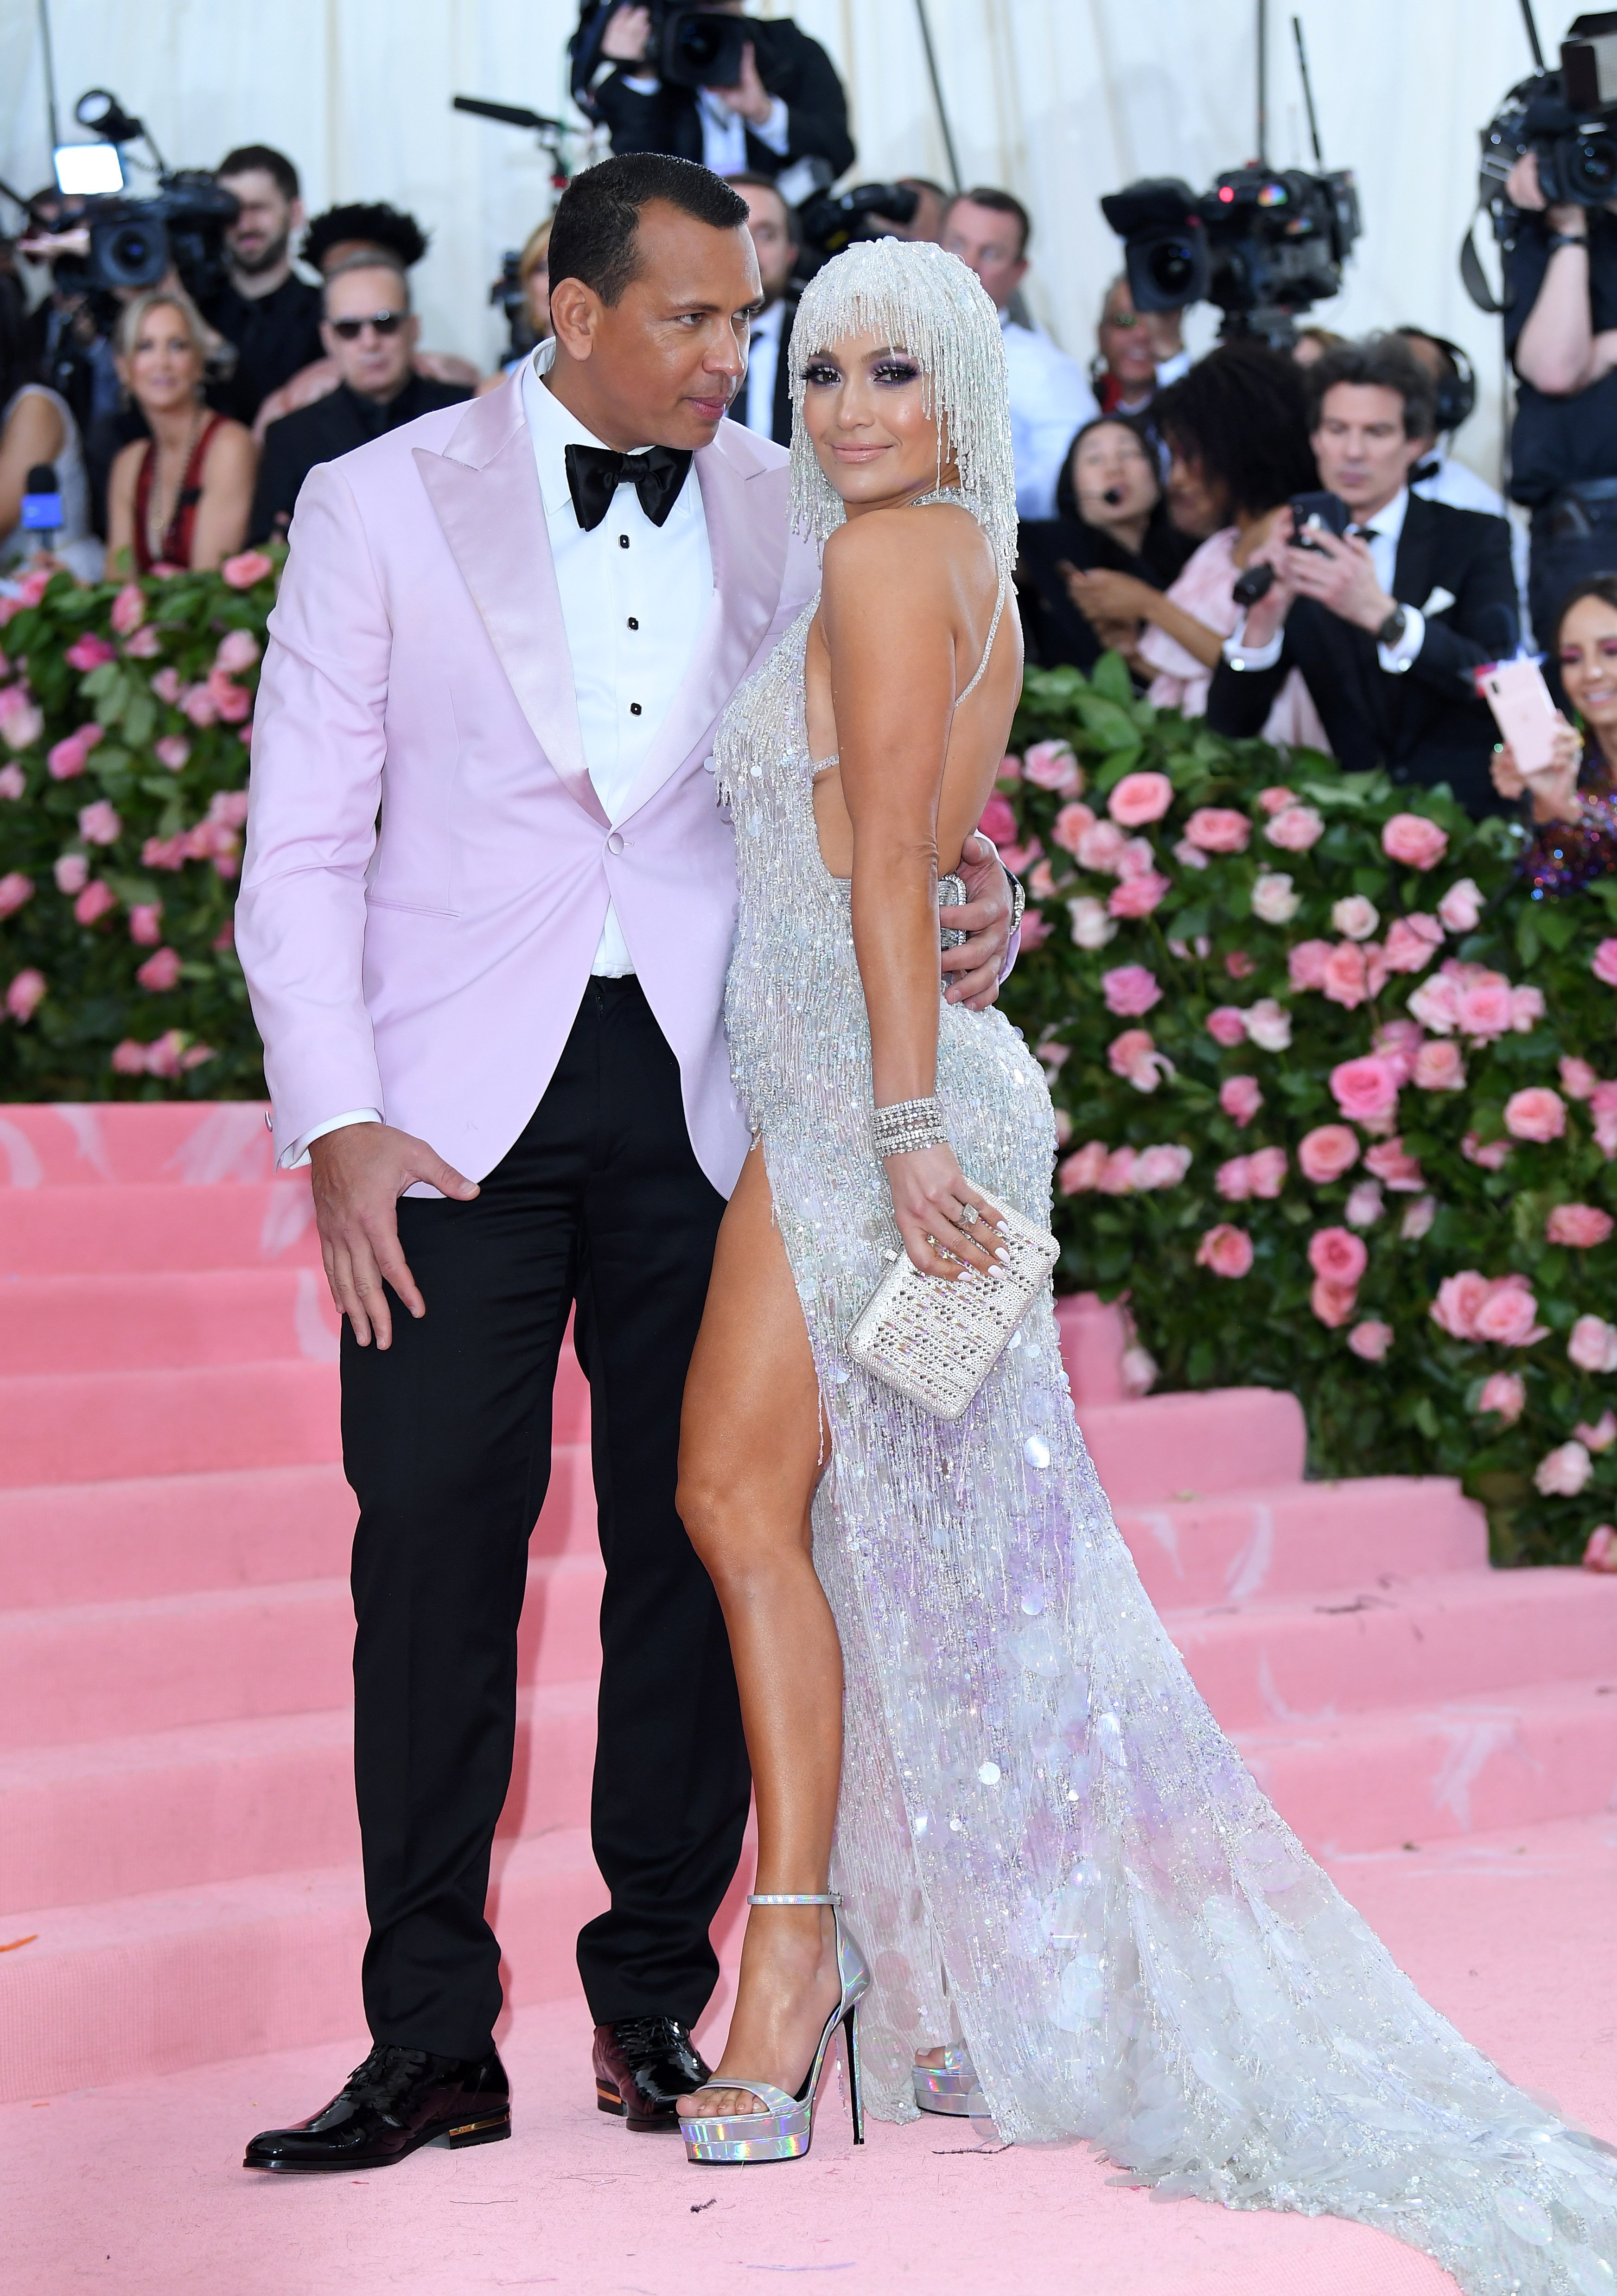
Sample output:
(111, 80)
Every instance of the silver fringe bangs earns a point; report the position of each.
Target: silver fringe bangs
(922, 300)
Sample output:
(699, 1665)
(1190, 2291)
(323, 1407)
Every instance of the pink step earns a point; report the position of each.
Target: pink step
(93, 1143)
(91, 1672)
(221, 1799)
(145, 1323)
(1416, 1643)
(1186, 1446)
(133, 1230)
(91, 1426)
(1297, 1538)
(1092, 1337)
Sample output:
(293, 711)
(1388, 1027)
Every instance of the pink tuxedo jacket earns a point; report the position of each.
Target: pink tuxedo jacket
(428, 865)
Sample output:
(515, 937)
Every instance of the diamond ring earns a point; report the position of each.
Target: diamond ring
(969, 1214)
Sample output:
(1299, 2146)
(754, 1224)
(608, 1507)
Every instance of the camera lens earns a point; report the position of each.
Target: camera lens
(133, 254)
(1173, 268)
(699, 41)
(1592, 165)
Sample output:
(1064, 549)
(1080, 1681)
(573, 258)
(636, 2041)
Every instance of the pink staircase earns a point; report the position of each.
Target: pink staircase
(176, 1833)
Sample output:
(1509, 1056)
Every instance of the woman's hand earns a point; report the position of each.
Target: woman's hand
(930, 1194)
(1112, 597)
(1555, 786)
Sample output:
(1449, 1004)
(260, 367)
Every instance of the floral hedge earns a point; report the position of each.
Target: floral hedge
(124, 722)
(1330, 1090)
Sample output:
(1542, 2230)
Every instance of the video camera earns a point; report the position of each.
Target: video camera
(828, 221)
(133, 241)
(1568, 118)
(690, 46)
(1262, 245)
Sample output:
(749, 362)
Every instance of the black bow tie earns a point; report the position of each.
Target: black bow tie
(595, 473)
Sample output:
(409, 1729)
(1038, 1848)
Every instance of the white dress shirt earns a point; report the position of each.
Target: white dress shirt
(1050, 399)
(756, 410)
(1382, 533)
(724, 132)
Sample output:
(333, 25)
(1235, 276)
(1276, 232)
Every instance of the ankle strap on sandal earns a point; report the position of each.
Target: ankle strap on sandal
(820, 1897)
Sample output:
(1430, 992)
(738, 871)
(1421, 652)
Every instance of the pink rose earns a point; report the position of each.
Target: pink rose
(146, 923)
(1581, 1225)
(1562, 1473)
(1239, 965)
(1134, 1056)
(99, 824)
(1603, 1108)
(1226, 1025)
(1504, 1393)
(1034, 928)
(1458, 1297)
(198, 704)
(1276, 798)
(93, 902)
(165, 684)
(1337, 1255)
(1507, 1316)
(1306, 961)
(1436, 1004)
(248, 567)
(14, 782)
(232, 702)
(1439, 1068)
(163, 1053)
(1189, 855)
(1364, 1205)
(71, 871)
(998, 821)
(1240, 1098)
(1092, 928)
(89, 652)
(1269, 1025)
(22, 726)
(173, 750)
(65, 759)
(1266, 1171)
(1577, 1079)
(1101, 848)
(1295, 828)
(1389, 1163)
(1077, 1174)
(1274, 902)
(1536, 1114)
(1015, 857)
(238, 649)
(1041, 882)
(1604, 964)
(1484, 1009)
(1010, 769)
(1526, 1009)
(1326, 1152)
(1346, 981)
(128, 1058)
(1137, 859)
(1461, 906)
(1139, 799)
(145, 645)
(1234, 1179)
(1370, 1341)
(15, 888)
(1366, 1090)
(1333, 1303)
(1117, 1174)
(1601, 1553)
(1412, 942)
(1412, 839)
(160, 972)
(1071, 823)
(1601, 1436)
(24, 994)
(1227, 1251)
(1593, 1344)
(129, 609)
(1138, 895)
(1490, 1157)
(1219, 829)
(1163, 1166)
(1399, 1042)
(1418, 1216)
(1130, 990)
(1354, 916)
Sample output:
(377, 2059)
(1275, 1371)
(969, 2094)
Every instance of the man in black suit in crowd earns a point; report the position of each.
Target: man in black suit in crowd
(1388, 623)
(369, 329)
(764, 401)
(788, 105)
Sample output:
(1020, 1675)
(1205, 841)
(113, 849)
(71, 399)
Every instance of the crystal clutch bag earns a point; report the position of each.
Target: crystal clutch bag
(936, 1341)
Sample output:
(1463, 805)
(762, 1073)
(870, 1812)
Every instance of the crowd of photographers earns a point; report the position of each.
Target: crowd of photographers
(1277, 535)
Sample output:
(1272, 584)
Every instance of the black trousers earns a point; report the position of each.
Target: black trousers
(447, 1443)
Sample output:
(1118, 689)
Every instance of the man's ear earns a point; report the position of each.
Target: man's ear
(575, 314)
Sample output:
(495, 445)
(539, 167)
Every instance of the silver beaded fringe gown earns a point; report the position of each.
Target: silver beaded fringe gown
(1047, 1845)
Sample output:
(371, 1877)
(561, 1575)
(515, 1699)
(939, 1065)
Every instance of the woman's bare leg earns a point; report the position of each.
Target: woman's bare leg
(750, 1457)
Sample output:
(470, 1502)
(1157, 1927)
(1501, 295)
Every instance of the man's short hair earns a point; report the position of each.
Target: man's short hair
(745, 179)
(596, 225)
(1379, 363)
(367, 262)
(985, 195)
(373, 224)
(258, 159)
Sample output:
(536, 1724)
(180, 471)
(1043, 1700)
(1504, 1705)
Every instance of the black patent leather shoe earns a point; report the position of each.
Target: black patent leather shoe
(642, 2066)
(398, 2101)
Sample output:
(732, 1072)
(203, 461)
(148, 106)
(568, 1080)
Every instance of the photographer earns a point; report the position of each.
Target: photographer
(1139, 352)
(271, 315)
(1387, 622)
(1560, 332)
(787, 106)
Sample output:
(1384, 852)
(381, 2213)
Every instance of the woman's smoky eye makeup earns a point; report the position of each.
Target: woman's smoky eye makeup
(896, 370)
(822, 374)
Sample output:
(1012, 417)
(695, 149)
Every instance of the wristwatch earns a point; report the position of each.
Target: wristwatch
(1568, 239)
(1392, 628)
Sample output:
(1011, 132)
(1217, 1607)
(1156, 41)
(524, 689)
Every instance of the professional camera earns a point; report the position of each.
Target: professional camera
(133, 241)
(1568, 118)
(692, 47)
(828, 221)
(1263, 245)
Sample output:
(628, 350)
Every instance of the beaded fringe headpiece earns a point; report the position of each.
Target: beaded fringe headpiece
(918, 299)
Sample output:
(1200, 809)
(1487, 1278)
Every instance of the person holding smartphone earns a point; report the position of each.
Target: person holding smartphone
(1573, 799)
(1389, 616)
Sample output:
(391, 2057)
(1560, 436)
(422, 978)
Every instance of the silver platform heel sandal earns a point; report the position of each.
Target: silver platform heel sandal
(946, 2087)
(784, 2130)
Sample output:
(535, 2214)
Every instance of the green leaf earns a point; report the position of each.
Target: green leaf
(1558, 927)
(1110, 678)
(1527, 935)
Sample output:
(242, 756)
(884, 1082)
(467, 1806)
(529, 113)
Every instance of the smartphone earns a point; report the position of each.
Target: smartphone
(1523, 711)
(1317, 509)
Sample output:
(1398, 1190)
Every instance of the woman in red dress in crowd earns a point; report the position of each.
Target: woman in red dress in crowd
(181, 496)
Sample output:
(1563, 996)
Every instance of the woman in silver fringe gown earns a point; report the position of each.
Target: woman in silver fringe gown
(1053, 1856)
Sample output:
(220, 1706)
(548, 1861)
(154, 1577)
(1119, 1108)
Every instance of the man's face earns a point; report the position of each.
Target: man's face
(989, 243)
(1125, 339)
(771, 238)
(374, 363)
(258, 238)
(1360, 446)
(661, 365)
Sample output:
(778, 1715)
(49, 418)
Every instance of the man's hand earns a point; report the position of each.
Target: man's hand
(359, 1175)
(974, 969)
(629, 36)
(1102, 595)
(1339, 574)
(1266, 619)
(748, 97)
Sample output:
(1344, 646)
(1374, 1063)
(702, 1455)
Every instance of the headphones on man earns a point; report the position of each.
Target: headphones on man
(1456, 393)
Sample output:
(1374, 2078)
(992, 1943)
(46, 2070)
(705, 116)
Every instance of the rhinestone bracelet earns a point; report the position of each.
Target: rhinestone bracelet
(908, 1125)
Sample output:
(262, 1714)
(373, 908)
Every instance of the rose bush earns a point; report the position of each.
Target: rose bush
(1383, 1068)
(125, 711)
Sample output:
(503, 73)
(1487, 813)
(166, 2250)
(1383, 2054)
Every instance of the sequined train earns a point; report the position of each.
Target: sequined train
(1047, 1845)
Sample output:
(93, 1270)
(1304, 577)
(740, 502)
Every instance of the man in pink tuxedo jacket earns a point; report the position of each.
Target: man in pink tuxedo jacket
(486, 913)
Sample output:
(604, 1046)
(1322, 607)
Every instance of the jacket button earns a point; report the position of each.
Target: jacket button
(614, 843)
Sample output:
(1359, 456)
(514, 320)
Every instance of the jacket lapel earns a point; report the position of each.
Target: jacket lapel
(1413, 567)
(485, 491)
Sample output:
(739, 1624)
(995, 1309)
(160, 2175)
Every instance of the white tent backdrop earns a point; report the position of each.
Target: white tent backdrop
(1058, 100)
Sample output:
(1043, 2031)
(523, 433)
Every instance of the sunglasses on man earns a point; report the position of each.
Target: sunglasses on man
(384, 323)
